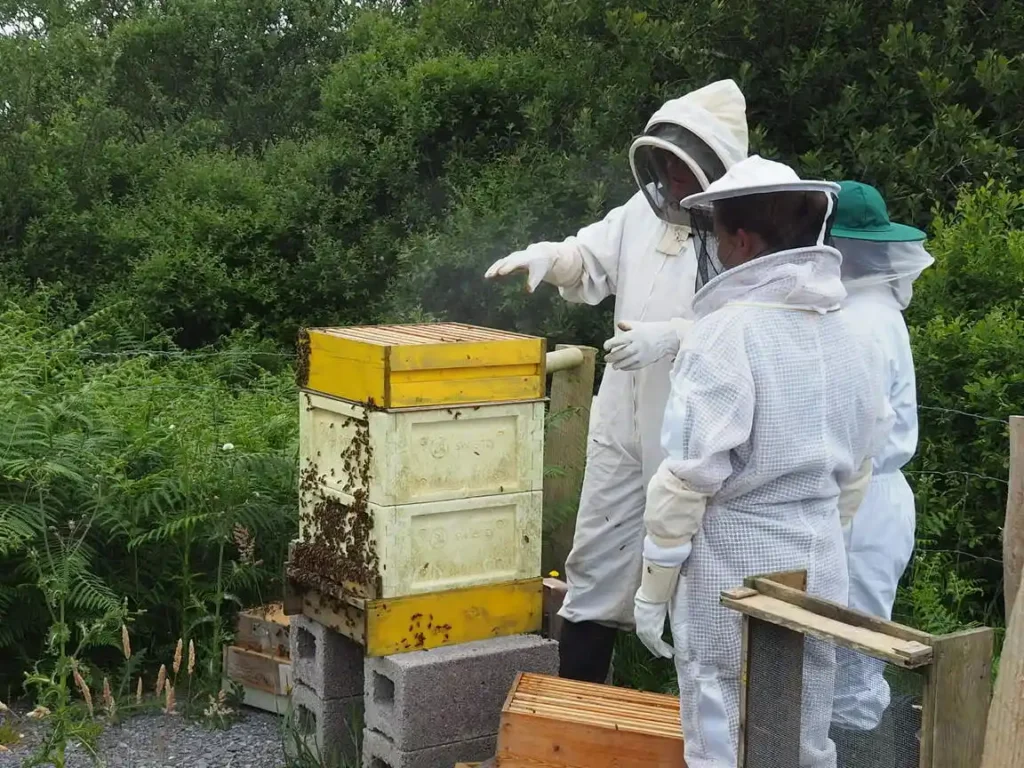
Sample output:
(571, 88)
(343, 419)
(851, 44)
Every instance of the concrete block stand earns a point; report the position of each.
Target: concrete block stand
(328, 663)
(332, 727)
(380, 752)
(423, 700)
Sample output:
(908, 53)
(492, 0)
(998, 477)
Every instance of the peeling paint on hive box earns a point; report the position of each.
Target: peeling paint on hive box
(423, 455)
(416, 548)
(436, 619)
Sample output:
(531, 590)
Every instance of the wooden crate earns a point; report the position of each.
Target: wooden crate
(438, 364)
(266, 679)
(263, 629)
(548, 722)
(416, 622)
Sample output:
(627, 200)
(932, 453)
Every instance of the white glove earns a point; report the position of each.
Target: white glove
(657, 585)
(852, 494)
(641, 344)
(540, 261)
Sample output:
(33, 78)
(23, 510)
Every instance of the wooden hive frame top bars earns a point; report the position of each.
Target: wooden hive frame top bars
(431, 333)
(548, 722)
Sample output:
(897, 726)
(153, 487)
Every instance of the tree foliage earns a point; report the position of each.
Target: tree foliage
(210, 175)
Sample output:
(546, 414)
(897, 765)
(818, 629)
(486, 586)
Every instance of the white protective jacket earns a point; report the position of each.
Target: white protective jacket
(775, 409)
(880, 541)
(650, 267)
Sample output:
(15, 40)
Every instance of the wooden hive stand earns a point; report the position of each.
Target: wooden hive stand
(778, 615)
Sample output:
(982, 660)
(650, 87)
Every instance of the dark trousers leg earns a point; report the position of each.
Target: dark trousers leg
(585, 651)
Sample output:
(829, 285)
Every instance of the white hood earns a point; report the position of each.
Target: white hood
(717, 113)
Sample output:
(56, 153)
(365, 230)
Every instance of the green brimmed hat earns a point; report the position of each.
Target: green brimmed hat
(861, 215)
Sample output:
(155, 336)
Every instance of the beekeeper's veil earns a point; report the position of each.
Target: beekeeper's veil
(706, 129)
(798, 212)
(876, 251)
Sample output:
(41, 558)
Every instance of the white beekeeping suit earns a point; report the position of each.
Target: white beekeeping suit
(773, 417)
(881, 259)
(641, 253)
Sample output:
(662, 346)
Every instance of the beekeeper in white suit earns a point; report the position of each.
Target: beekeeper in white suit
(881, 260)
(775, 410)
(641, 252)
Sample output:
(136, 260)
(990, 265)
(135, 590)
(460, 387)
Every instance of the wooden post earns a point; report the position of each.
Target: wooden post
(565, 451)
(1013, 528)
(957, 693)
(1004, 738)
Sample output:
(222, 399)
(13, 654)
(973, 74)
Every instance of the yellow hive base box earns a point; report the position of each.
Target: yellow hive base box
(408, 366)
(417, 622)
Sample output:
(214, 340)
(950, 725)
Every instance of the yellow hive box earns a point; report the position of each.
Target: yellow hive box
(418, 622)
(407, 366)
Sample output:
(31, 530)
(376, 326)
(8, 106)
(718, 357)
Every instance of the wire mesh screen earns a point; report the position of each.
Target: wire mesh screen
(811, 703)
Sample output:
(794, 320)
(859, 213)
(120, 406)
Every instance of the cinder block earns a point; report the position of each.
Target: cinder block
(333, 727)
(427, 698)
(381, 752)
(328, 663)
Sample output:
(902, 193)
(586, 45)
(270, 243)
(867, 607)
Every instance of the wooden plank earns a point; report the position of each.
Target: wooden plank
(1004, 733)
(510, 388)
(565, 448)
(480, 354)
(837, 612)
(1013, 527)
(292, 602)
(957, 694)
(773, 695)
(554, 595)
(552, 722)
(263, 629)
(793, 579)
(335, 614)
(908, 654)
(258, 670)
(345, 368)
(277, 704)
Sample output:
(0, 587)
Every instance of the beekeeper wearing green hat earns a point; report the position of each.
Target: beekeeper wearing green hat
(881, 260)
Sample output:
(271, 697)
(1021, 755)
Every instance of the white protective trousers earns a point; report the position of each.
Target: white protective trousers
(650, 267)
(880, 541)
(774, 409)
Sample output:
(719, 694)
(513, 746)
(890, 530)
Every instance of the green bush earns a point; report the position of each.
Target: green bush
(160, 463)
(967, 324)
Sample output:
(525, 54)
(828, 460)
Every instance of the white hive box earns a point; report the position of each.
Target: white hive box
(415, 501)
(420, 455)
(411, 549)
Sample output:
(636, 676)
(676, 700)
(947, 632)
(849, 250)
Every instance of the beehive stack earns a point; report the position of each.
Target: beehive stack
(421, 470)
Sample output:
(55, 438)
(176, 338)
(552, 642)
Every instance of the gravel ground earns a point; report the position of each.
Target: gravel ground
(161, 741)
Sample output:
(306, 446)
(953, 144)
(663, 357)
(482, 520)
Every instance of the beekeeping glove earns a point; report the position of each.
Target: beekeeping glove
(658, 584)
(639, 344)
(560, 264)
